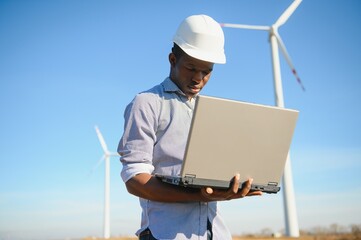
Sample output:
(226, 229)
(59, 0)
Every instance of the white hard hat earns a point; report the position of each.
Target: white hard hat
(201, 37)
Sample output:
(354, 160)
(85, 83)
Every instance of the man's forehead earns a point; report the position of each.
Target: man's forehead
(199, 64)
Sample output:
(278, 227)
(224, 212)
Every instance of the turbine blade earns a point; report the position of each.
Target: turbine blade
(287, 13)
(288, 58)
(101, 140)
(252, 27)
(114, 154)
(97, 165)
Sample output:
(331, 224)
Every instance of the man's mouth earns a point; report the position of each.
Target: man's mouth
(194, 89)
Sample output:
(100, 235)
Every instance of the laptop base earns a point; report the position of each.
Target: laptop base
(191, 181)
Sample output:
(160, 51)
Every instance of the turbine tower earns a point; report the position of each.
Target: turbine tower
(106, 157)
(291, 222)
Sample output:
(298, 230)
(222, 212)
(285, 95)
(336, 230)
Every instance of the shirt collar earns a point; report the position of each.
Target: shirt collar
(170, 86)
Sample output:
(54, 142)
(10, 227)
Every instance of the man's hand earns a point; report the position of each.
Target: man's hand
(233, 192)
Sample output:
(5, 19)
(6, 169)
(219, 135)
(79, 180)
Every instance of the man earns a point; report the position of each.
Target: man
(156, 127)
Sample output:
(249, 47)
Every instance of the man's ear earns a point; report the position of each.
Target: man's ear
(172, 59)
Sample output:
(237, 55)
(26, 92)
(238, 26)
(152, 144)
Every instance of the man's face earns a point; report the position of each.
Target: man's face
(189, 74)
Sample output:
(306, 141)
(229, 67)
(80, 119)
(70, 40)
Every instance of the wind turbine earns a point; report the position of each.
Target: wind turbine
(106, 157)
(291, 221)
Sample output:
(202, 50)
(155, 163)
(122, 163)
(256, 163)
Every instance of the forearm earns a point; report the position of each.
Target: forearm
(149, 187)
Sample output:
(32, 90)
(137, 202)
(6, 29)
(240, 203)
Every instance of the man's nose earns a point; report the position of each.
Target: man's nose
(198, 76)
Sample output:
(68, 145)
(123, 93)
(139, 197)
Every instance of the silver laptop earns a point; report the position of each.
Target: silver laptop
(227, 137)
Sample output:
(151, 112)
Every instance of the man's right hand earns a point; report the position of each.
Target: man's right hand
(233, 192)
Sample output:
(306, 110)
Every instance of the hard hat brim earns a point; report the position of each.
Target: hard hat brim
(207, 56)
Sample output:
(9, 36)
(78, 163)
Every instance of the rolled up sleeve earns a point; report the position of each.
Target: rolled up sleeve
(136, 145)
(132, 168)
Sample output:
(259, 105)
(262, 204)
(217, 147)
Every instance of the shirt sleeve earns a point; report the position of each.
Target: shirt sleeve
(136, 145)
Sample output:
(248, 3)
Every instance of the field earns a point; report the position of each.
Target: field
(333, 232)
(308, 237)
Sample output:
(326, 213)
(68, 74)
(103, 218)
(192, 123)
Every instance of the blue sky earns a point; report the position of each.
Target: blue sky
(66, 66)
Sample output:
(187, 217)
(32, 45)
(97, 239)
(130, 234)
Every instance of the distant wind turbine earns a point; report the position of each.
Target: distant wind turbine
(106, 157)
(291, 221)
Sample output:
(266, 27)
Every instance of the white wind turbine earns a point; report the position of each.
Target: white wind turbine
(106, 157)
(291, 221)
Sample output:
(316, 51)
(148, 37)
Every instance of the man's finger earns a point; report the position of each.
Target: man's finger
(254, 193)
(235, 186)
(246, 187)
(209, 190)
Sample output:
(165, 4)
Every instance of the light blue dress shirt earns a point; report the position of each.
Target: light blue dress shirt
(156, 128)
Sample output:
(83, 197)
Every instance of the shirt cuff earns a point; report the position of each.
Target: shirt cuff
(130, 170)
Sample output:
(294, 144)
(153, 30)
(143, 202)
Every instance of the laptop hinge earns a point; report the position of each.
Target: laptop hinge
(273, 184)
(189, 179)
